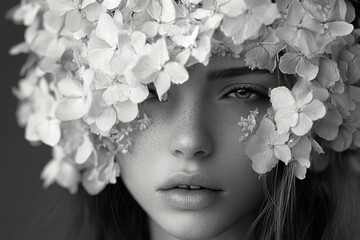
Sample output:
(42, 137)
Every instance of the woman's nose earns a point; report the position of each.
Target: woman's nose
(190, 139)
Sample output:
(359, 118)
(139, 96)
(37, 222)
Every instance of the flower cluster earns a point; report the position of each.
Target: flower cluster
(90, 64)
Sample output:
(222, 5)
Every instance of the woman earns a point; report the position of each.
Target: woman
(137, 93)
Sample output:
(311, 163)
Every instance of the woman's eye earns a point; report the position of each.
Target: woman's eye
(243, 93)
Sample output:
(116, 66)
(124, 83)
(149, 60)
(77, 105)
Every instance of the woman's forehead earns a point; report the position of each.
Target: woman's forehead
(218, 62)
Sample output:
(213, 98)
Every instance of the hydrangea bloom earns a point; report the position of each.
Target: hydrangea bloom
(254, 14)
(309, 28)
(91, 63)
(296, 110)
(155, 67)
(267, 147)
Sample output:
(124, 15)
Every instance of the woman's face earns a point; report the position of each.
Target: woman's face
(194, 140)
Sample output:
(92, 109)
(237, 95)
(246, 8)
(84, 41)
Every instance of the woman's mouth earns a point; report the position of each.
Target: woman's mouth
(190, 192)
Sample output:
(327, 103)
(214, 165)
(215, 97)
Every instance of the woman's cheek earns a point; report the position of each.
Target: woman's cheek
(139, 167)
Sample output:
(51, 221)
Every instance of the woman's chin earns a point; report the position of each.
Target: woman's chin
(193, 225)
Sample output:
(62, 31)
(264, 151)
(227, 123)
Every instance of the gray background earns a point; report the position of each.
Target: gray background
(27, 211)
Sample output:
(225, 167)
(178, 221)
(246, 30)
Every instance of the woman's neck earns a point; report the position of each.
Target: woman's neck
(237, 231)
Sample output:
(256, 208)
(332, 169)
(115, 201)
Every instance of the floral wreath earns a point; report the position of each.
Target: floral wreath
(91, 61)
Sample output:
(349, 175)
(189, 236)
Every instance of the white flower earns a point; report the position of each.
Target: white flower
(155, 67)
(76, 12)
(296, 109)
(60, 171)
(267, 147)
(77, 96)
(252, 14)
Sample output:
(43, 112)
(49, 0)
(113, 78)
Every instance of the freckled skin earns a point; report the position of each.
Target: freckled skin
(195, 131)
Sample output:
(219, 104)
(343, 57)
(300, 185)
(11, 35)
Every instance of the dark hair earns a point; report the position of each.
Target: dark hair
(322, 206)
(113, 214)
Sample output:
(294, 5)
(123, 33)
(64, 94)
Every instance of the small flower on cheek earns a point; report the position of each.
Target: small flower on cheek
(248, 124)
(267, 147)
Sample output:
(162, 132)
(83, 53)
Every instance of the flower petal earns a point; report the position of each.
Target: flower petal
(118, 92)
(84, 151)
(289, 62)
(30, 130)
(306, 69)
(302, 92)
(106, 120)
(263, 162)
(232, 8)
(93, 11)
(328, 127)
(162, 84)
(70, 88)
(177, 72)
(302, 148)
(71, 109)
(120, 61)
(68, 177)
(255, 145)
(266, 131)
(111, 4)
(354, 92)
(50, 171)
(139, 93)
(266, 13)
(144, 70)
(304, 125)
(286, 118)
(168, 13)
(280, 139)
(126, 111)
(91, 182)
(314, 110)
(339, 28)
(300, 170)
(106, 30)
(150, 28)
(49, 132)
(60, 7)
(74, 20)
(343, 140)
(281, 97)
(282, 152)
(328, 73)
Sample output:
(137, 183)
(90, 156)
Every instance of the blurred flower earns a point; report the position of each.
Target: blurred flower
(61, 171)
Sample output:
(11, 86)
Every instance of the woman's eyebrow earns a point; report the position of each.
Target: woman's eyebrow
(233, 72)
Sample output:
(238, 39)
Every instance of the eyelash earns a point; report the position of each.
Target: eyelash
(258, 94)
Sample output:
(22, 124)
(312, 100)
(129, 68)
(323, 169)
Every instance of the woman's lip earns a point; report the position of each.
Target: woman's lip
(194, 179)
(184, 199)
(189, 199)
